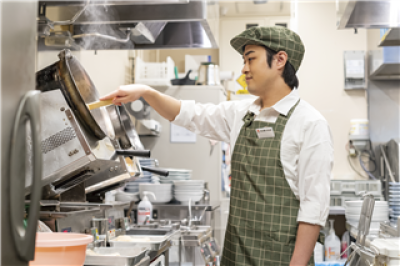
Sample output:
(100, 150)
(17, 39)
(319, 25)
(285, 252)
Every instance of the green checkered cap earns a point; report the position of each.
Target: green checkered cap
(275, 38)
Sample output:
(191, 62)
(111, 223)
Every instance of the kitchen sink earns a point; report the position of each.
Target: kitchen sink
(148, 232)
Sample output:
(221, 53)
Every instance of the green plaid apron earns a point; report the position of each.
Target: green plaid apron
(262, 223)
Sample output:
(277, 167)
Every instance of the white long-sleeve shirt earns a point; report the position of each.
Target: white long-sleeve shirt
(306, 145)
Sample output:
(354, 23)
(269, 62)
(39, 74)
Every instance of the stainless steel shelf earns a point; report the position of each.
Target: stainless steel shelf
(391, 38)
(379, 70)
(386, 71)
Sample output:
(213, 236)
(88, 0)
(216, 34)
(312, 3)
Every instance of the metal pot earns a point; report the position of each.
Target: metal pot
(70, 77)
(208, 74)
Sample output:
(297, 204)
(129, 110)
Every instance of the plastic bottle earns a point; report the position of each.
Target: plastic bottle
(145, 207)
(332, 245)
(345, 244)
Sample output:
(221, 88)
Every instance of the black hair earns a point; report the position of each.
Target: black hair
(288, 74)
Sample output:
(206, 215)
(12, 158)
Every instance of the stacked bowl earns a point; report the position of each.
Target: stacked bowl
(394, 200)
(146, 177)
(380, 214)
(163, 192)
(176, 175)
(185, 190)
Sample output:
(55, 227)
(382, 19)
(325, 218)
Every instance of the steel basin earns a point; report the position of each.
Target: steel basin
(148, 232)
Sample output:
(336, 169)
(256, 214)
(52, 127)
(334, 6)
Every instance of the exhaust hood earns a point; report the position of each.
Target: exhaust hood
(126, 25)
(368, 14)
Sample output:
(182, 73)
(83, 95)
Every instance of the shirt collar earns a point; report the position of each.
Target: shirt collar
(283, 106)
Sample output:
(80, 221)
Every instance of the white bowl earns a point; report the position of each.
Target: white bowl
(188, 197)
(160, 199)
(190, 193)
(156, 186)
(183, 188)
(126, 196)
(189, 183)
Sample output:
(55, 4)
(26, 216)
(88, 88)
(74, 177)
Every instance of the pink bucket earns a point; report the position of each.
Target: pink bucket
(67, 249)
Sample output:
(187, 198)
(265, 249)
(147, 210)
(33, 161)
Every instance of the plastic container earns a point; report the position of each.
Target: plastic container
(145, 208)
(154, 74)
(388, 249)
(372, 187)
(359, 129)
(345, 244)
(67, 249)
(332, 245)
(336, 188)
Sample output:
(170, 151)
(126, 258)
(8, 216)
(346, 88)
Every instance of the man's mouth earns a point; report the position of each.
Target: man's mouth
(248, 79)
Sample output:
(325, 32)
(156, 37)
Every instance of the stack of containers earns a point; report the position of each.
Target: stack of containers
(163, 192)
(189, 190)
(394, 200)
(351, 190)
(380, 214)
(146, 177)
(176, 175)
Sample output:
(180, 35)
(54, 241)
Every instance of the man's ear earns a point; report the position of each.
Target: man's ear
(281, 59)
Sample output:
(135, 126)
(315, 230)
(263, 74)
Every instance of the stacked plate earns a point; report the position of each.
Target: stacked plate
(380, 214)
(185, 190)
(176, 175)
(394, 200)
(163, 192)
(146, 177)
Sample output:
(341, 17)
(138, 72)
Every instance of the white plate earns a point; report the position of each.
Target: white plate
(394, 184)
(358, 203)
(375, 218)
(176, 178)
(157, 186)
(358, 209)
(189, 183)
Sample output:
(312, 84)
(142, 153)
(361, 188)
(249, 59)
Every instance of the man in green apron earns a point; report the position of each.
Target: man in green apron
(282, 152)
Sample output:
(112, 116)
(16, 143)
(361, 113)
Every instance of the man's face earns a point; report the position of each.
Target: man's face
(258, 73)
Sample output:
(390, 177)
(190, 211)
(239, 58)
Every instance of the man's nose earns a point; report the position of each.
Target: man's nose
(245, 69)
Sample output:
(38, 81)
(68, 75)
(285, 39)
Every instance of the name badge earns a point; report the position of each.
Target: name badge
(265, 132)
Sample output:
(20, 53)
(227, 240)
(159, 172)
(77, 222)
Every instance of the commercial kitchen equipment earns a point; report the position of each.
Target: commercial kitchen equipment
(127, 25)
(197, 243)
(367, 14)
(79, 145)
(389, 164)
(19, 104)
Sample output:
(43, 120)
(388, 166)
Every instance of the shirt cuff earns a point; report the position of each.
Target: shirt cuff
(186, 113)
(311, 213)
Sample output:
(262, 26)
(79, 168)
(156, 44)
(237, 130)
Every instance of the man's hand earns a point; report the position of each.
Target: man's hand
(165, 105)
(307, 235)
(127, 93)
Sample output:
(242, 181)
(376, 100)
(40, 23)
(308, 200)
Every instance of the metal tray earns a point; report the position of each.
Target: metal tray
(155, 243)
(129, 256)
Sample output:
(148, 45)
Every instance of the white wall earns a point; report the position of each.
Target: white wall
(321, 75)
(107, 69)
